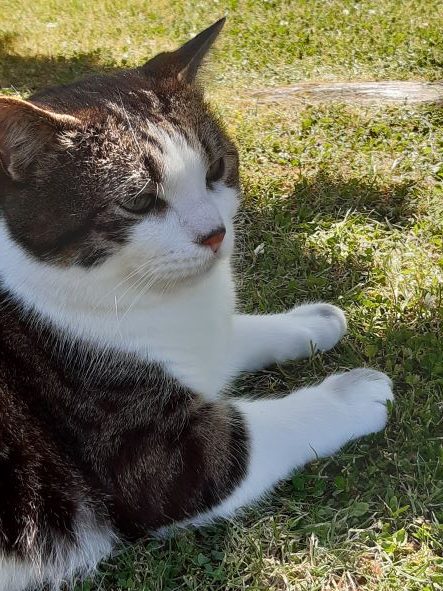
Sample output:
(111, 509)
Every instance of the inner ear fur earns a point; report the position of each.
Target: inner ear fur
(26, 131)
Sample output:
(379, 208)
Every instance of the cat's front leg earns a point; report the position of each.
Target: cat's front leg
(286, 433)
(258, 341)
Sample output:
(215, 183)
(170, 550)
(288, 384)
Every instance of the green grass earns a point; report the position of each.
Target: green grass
(348, 205)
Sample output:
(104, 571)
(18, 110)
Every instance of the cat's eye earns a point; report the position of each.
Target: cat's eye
(142, 203)
(215, 171)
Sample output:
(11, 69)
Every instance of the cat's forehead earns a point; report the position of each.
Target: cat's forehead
(139, 130)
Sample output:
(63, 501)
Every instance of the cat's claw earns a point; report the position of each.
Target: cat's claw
(324, 324)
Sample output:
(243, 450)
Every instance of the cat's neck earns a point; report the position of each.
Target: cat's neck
(186, 329)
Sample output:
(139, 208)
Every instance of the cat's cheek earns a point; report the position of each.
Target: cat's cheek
(154, 238)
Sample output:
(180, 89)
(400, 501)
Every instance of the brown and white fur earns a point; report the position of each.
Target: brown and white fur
(119, 332)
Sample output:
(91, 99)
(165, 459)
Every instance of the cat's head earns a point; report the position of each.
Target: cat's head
(130, 172)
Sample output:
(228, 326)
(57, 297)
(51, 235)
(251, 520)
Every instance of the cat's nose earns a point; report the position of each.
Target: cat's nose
(214, 239)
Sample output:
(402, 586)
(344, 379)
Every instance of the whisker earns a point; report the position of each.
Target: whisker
(137, 282)
(143, 188)
(141, 294)
(124, 280)
(129, 123)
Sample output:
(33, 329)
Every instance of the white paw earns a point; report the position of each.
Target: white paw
(364, 394)
(324, 324)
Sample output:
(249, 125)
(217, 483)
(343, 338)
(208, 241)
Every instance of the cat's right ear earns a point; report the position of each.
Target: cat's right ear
(27, 132)
(184, 63)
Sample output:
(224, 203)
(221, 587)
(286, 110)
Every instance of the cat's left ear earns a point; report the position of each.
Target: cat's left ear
(183, 63)
(26, 133)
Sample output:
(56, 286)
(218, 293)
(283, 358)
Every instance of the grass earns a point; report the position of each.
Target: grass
(346, 205)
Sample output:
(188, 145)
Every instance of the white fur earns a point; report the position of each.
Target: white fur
(168, 299)
(66, 564)
(259, 341)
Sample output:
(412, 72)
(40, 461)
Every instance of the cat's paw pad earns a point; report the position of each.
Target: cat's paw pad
(365, 393)
(324, 324)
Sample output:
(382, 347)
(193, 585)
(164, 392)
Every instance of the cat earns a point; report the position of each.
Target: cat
(119, 333)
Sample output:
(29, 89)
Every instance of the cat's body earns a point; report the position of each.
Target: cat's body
(118, 330)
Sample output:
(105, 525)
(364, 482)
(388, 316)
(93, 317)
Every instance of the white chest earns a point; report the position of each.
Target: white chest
(188, 333)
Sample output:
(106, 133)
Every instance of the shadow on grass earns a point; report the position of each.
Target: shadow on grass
(399, 472)
(332, 197)
(341, 214)
(391, 203)
(26, 74)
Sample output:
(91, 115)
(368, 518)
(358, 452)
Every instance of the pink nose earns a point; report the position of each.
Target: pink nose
(214, 239)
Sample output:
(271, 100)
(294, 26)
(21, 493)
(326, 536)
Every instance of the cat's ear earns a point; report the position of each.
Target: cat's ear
(26, 132)
(183, 63)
